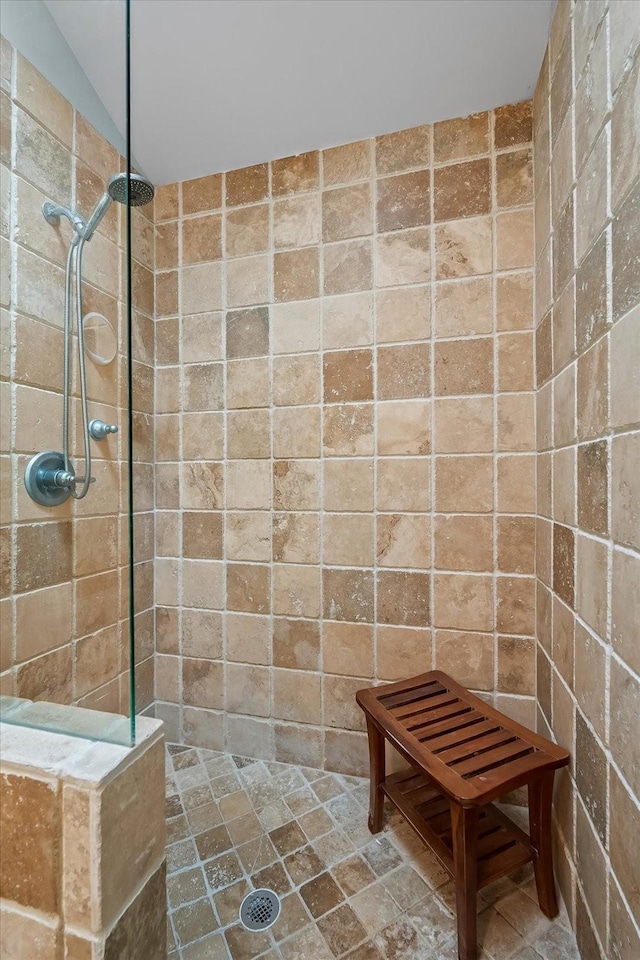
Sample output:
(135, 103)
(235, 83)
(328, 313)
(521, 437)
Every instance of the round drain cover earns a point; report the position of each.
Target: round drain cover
(259, 909)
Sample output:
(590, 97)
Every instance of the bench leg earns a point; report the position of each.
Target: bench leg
(464, 826)
(540, 830)
(376, 775)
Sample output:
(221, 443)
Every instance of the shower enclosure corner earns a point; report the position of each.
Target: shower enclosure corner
(76, 438)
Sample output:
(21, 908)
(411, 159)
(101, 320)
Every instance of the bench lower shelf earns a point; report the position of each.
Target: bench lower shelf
(502, 846)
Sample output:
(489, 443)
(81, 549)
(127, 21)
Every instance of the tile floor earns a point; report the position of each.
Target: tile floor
(235, 824)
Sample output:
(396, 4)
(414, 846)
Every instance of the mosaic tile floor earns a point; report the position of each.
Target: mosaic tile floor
(235, 824)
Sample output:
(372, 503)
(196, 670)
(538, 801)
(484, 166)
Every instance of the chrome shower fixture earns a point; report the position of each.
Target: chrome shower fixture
(140, 193)
(49, 477)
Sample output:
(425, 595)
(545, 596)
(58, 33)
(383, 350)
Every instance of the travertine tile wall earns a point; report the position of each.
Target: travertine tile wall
(587, 166)
(82, 862)
(64, 630)
(345, 435)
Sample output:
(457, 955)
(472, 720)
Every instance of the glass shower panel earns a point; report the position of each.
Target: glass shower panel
(66, 643)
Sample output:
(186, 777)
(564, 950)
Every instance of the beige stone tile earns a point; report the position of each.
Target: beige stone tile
(403, 257)
(347, 267)
(166, 202)
(625, 492)
(247, 281)
(516, 665)
(463, 601)
(296, 380)
(296, 274)
(512, 124)
(24, 934)
(514, 178)
(403, 598)
(296, 432)
(514, 301)
(462, 137)
(515, 361)
(247, 230)
(296, 485)
(463, 425)
(403, 201)
(463, 543)
(136, 832)
(202, 585)
(248, 691)
(296, 327)
(403, 150)
(403, 372)
(296, 696)
(296, 590)
(346, 212)
(296, 538)
(40, 158)
(29, 872)
(516, 605)
(166, 293)
(348, 376)
(625, 137)
(346, 163)
(201, 288)
(463, 248)
(201, 337)
(202, 436)
(625, 603)
(248, 638)
(464, 484)
(249, 434)
(202, 683)
(401, 651)
(347, 321)
(201, 239)
(339, 702)
(347, 649)
(348, 485)
(296, 221)
(296, 644)
(202, 634)
(624, 709)
(464, 366)
(348, 430)
(202, 193)
(403, 540)
(247, 185)
(40, 288)
(347, 595)
(463, 308)
(467, 657)
(403, 428)
(295, 174)
(248, 587)
(403, 314)
(514, 239)
(625, 384)
(403, 484)
(516, 427)
(626, 247)
(591, 198)
(248, 535)
(348, 539)
(248, 383)
(462, 190)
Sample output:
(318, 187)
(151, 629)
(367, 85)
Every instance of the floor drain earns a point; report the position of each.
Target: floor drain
(259, 910)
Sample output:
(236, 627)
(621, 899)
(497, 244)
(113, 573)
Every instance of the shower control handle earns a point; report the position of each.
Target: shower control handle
(99, 429)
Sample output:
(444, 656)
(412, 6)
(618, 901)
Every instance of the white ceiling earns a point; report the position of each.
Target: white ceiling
(221, 84)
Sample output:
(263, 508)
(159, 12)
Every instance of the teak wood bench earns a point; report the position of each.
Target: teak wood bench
(463, 755)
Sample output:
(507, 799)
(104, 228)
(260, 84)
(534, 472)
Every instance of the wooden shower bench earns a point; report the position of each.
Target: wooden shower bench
(463, 755)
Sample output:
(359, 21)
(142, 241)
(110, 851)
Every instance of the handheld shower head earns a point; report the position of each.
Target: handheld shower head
(140, 193)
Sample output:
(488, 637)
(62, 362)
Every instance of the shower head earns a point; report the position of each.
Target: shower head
(140, 192)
